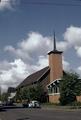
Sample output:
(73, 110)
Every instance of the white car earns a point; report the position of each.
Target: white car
(34, 104)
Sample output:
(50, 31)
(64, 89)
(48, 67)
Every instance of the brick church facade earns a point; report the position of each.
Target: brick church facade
(48, 77)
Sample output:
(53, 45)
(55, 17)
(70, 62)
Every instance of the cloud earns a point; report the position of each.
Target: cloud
(78, 70)
(9, 48)
(7, 4)
(62, 45)
(73, 36)
(4, 65)
(42, 62)
(35, 42)
(78, 51)
(14, 74)
(34, 45)
(31, 48)
(66, 65)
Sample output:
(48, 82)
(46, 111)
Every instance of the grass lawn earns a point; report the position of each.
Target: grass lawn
(59, 107)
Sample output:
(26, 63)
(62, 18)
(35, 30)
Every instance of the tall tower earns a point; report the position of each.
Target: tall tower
(55, 63)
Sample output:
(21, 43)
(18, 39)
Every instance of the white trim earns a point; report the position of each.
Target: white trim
(54, 94)
(54, 81)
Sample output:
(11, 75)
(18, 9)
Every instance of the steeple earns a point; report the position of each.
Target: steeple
(54, 43)
(54, 51)
(55, 62)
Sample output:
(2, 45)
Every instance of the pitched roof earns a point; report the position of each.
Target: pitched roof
(35, 77)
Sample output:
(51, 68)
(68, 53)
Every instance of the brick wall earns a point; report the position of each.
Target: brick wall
(78, 98)
(54, 98)
(55, 64)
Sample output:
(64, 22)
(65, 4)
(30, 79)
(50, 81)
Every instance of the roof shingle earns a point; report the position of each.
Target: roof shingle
(33, 77)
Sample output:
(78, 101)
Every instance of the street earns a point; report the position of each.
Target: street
(39, 114)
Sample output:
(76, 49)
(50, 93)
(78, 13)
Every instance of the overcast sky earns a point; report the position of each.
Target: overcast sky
(26, 35)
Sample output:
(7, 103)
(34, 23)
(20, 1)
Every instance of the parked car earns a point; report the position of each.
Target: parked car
(1, 105)
(34, 104)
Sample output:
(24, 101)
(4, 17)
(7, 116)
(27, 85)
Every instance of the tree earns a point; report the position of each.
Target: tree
(70, 87)
(4, 96)
(31, 93)
(37, 93)
(19, 95)
(25, 93)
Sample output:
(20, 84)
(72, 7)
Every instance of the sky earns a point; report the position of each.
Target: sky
(26, 36)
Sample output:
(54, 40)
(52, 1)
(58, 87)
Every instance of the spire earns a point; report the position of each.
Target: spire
(54, 51)
(54, 43)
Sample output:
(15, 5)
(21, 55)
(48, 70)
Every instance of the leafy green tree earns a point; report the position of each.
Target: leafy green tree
(19, 95)
(37, 93)
(4, 96)
(31, 93)
(70, 87)
(25, 94)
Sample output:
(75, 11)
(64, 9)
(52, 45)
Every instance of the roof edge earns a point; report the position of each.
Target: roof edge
(43, 74)
(55, 52)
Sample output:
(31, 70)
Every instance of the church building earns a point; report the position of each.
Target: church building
(48, 77)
